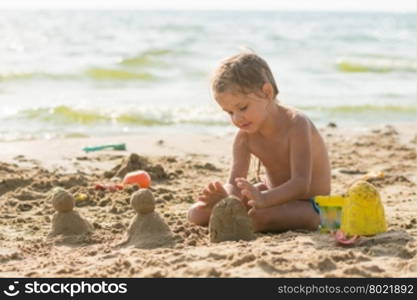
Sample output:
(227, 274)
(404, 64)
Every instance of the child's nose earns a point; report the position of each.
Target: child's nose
(237, 120)
(238, 117)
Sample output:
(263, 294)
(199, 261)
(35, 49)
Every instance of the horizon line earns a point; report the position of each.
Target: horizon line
(105, 8)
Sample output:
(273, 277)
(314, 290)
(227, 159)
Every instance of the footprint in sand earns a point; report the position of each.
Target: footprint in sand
(147, 229)
(66, 221)
(229, 221)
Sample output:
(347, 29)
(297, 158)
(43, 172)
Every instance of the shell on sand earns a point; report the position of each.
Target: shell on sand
(148, 231)
(229, 221)
(69, 223)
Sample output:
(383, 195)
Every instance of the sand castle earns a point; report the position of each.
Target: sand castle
(66, 221)
(147, 229)
(229, 221)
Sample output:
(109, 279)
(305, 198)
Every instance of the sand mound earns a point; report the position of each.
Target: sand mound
(132, 163)
(135, 162)
(229, 221)
(69, 223)
(66, 221)
(147, 229)
(12, 183)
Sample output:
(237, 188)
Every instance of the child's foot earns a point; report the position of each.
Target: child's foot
(213, 193)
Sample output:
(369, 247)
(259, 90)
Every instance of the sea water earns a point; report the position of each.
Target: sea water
(100, 73)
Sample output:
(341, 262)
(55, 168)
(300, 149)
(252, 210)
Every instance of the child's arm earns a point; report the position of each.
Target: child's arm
(240, 164)
(300, 163)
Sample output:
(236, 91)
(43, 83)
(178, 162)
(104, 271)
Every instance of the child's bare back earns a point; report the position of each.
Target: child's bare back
(284, 140)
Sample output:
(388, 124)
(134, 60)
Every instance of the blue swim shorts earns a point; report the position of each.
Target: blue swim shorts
(314, 204)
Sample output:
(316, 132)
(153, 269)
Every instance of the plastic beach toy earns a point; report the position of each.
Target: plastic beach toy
(103, 147)
(108, 187)
(330, 212)
(141, 178)
(362, 213)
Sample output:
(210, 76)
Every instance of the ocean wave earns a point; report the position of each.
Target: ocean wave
(95, 73)
(34, 75)
(367, 108)
(16, 136)
(67, 122)
(61, 114)
(147, 58)
(65, 114)
(153, 117)
(118, 74)
(376, 64)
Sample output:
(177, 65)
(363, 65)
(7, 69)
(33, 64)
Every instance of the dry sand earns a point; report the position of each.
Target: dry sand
(180, 167)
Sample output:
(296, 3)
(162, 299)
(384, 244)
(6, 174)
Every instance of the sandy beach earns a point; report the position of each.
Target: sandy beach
(180, 166)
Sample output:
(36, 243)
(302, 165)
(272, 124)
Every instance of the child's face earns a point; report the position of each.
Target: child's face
(247, 111)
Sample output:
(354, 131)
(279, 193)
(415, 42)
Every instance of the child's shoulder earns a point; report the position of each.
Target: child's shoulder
(241, 136)
(297, 119)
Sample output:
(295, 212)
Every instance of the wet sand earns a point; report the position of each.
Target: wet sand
(180, 167)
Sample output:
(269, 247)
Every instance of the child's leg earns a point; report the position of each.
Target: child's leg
(199, 213)
(296, 214)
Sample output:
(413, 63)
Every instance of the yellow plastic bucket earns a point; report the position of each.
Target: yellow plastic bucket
(330, 208)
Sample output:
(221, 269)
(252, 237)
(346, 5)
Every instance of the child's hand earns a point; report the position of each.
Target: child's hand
(256, 198)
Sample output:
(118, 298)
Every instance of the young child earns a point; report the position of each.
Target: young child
(282, 138)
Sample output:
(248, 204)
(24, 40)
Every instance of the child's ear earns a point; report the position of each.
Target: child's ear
(268, 90)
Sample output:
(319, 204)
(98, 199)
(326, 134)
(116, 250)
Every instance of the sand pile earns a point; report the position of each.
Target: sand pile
(136, 162)
(229, 221)
(147, 229)
(66, 221)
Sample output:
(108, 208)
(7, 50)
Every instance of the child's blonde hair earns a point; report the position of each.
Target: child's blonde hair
(245, 72)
